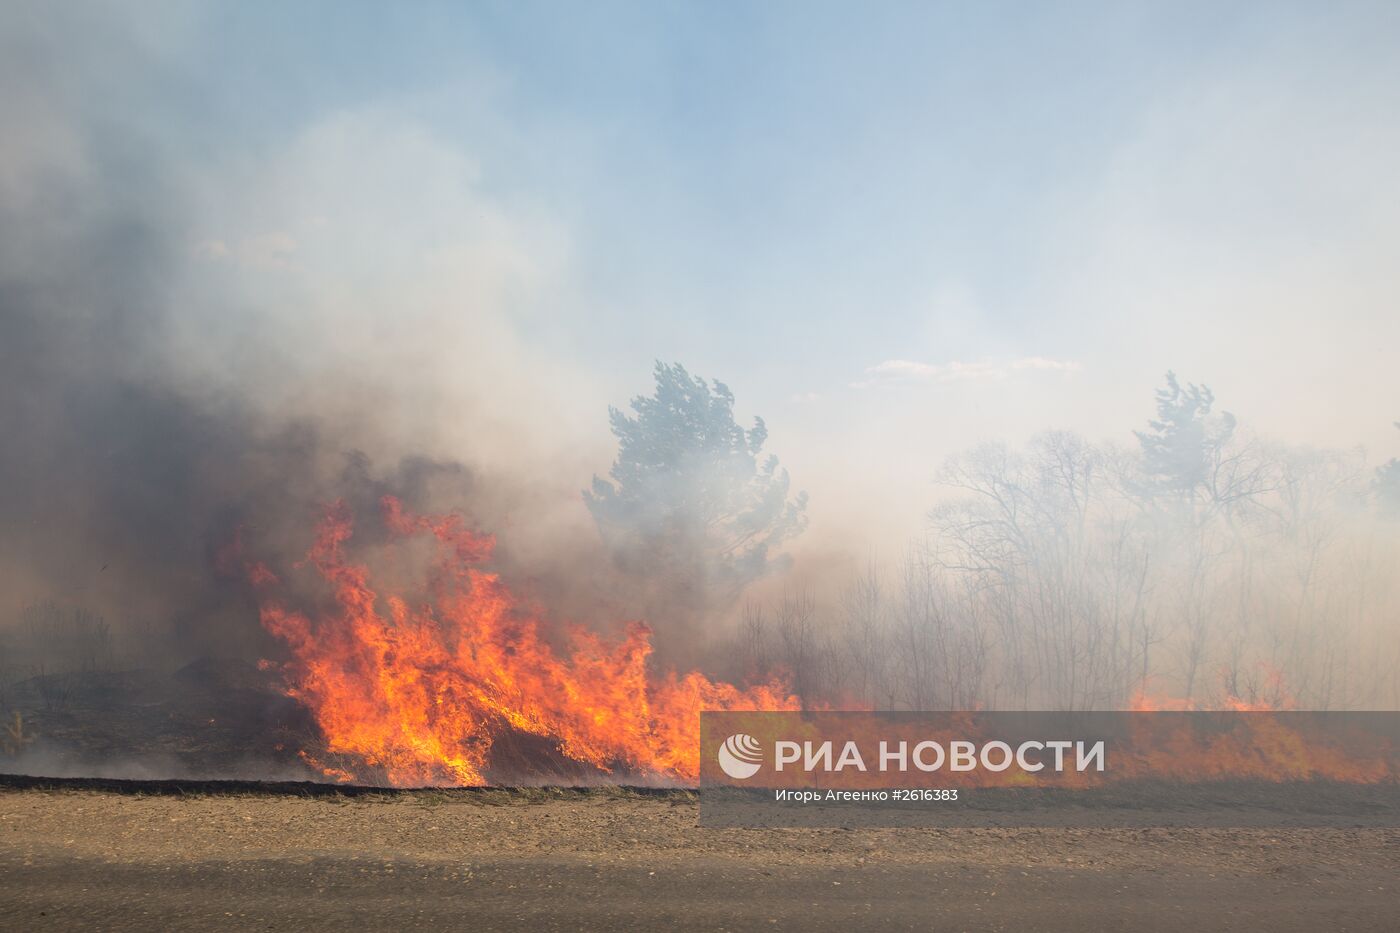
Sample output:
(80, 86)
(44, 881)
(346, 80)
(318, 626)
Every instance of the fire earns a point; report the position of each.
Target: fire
(1144, 700)
(1263, 747)
(421, 692)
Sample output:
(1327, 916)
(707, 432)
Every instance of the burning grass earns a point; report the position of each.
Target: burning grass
(422, 693)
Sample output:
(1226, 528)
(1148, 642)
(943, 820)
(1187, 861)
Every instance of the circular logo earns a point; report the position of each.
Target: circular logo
(740, 756)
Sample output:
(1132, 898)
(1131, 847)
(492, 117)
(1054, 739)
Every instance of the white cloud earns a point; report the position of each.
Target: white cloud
(274, 249)
(902, 369)
(903, 372)
(213, 250)
(1040, 362)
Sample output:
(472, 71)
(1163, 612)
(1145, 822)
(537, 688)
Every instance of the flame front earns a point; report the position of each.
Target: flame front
(422, 692)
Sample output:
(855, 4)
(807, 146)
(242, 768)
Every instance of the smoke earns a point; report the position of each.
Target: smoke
(106, 466)
(218, 316)
(199, 350)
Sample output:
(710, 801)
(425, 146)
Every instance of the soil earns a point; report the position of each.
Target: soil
(182, 858)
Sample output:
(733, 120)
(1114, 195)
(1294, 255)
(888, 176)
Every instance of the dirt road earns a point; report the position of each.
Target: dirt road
(564, 861)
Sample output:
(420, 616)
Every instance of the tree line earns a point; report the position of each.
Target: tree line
(1195, 561)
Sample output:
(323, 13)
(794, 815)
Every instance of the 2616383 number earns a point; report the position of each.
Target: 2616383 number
(929, 794)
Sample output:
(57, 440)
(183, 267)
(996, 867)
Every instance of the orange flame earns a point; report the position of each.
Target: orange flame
(1144, 701)
(423, 692)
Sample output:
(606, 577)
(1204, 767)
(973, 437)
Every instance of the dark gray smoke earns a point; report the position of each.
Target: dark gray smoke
(120, 489)
(120, 485)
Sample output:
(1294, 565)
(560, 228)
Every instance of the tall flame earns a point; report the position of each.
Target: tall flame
(422, 692)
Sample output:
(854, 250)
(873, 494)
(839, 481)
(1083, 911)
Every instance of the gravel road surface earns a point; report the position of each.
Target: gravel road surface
(539, 860)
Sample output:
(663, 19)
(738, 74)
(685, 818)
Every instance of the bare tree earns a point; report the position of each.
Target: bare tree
(797, 630)
(865, 635)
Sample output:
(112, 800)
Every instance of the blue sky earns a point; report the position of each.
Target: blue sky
(709, 158)
(894, 229)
